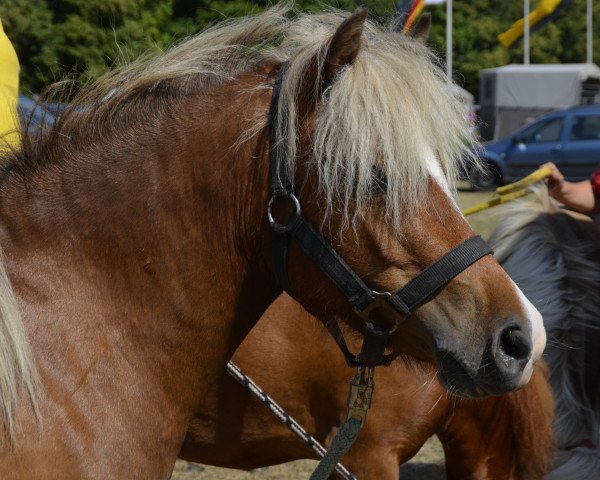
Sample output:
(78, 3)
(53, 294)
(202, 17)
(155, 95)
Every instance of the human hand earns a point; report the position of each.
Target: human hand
(555, 180)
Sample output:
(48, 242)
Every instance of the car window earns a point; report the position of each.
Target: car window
(585, 128)
(548, 131)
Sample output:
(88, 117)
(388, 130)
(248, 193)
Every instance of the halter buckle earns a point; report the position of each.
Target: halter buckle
(279, 227)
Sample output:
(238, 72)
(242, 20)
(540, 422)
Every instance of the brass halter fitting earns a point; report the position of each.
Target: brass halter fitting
(381, 311)
(361, 391)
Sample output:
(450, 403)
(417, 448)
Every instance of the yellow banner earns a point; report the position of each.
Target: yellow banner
(543, 10)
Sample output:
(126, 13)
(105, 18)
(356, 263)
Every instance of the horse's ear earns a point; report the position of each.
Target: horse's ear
(342, 50)
(420, 31)
(344, 45)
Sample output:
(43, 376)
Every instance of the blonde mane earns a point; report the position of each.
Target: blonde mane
(392, 108)
(18, 374)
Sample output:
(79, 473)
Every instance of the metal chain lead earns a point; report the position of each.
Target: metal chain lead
(284, 418)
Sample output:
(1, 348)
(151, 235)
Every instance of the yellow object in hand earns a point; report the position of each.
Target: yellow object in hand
(510, 192)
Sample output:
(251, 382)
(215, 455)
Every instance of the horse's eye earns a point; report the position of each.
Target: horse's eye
(378, 181)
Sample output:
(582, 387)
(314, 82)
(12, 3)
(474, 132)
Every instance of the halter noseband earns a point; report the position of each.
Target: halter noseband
(365, 301)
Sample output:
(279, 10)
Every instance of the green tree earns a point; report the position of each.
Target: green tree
(92, 35)
(30, 26)
(81, 38)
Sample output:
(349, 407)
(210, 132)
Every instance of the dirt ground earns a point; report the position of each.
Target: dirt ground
(426, 465)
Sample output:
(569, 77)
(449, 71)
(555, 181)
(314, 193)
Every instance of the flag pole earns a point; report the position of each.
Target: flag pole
(590, 54)
(526, 33)
(449, 40)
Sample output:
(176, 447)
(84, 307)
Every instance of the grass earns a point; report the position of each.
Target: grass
(425, 466)
(482, 222)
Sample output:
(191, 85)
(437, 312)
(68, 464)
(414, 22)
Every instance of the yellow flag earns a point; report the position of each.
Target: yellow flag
(545, 11)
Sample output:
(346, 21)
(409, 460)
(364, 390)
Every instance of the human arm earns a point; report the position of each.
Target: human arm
(578, 196)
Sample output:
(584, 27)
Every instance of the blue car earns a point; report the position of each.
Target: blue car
(570, 138)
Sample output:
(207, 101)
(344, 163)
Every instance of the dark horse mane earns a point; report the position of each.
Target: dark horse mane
(554, 257)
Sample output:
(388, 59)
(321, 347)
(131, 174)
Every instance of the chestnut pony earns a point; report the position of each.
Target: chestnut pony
(496, 438)
(554, 255)
(138, 252)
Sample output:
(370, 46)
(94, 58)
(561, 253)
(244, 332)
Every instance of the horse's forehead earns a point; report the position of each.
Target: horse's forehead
(436, 174)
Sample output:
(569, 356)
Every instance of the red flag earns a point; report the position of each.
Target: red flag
(413, 14)
(407, 11)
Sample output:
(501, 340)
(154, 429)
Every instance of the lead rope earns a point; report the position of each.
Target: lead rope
(359, 402)
(341, 443)
(292, 424)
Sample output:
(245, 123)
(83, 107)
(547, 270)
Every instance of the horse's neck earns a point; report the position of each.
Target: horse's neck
(158, 259)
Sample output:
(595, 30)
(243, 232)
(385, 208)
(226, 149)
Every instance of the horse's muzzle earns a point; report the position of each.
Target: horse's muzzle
(502, 368)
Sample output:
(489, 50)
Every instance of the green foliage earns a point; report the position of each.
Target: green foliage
(30, 26)
(82, 38)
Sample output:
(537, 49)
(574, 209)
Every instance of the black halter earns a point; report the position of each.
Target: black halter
(415, 293)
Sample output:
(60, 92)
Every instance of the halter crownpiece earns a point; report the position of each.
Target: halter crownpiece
(370, 305)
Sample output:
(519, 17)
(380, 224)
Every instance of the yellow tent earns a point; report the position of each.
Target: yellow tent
(9, 92)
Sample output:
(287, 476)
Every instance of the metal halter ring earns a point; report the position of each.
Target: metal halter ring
(381, 305)
(278, 227)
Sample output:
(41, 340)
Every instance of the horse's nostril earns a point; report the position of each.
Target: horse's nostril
(506, 357)
(515, 343)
